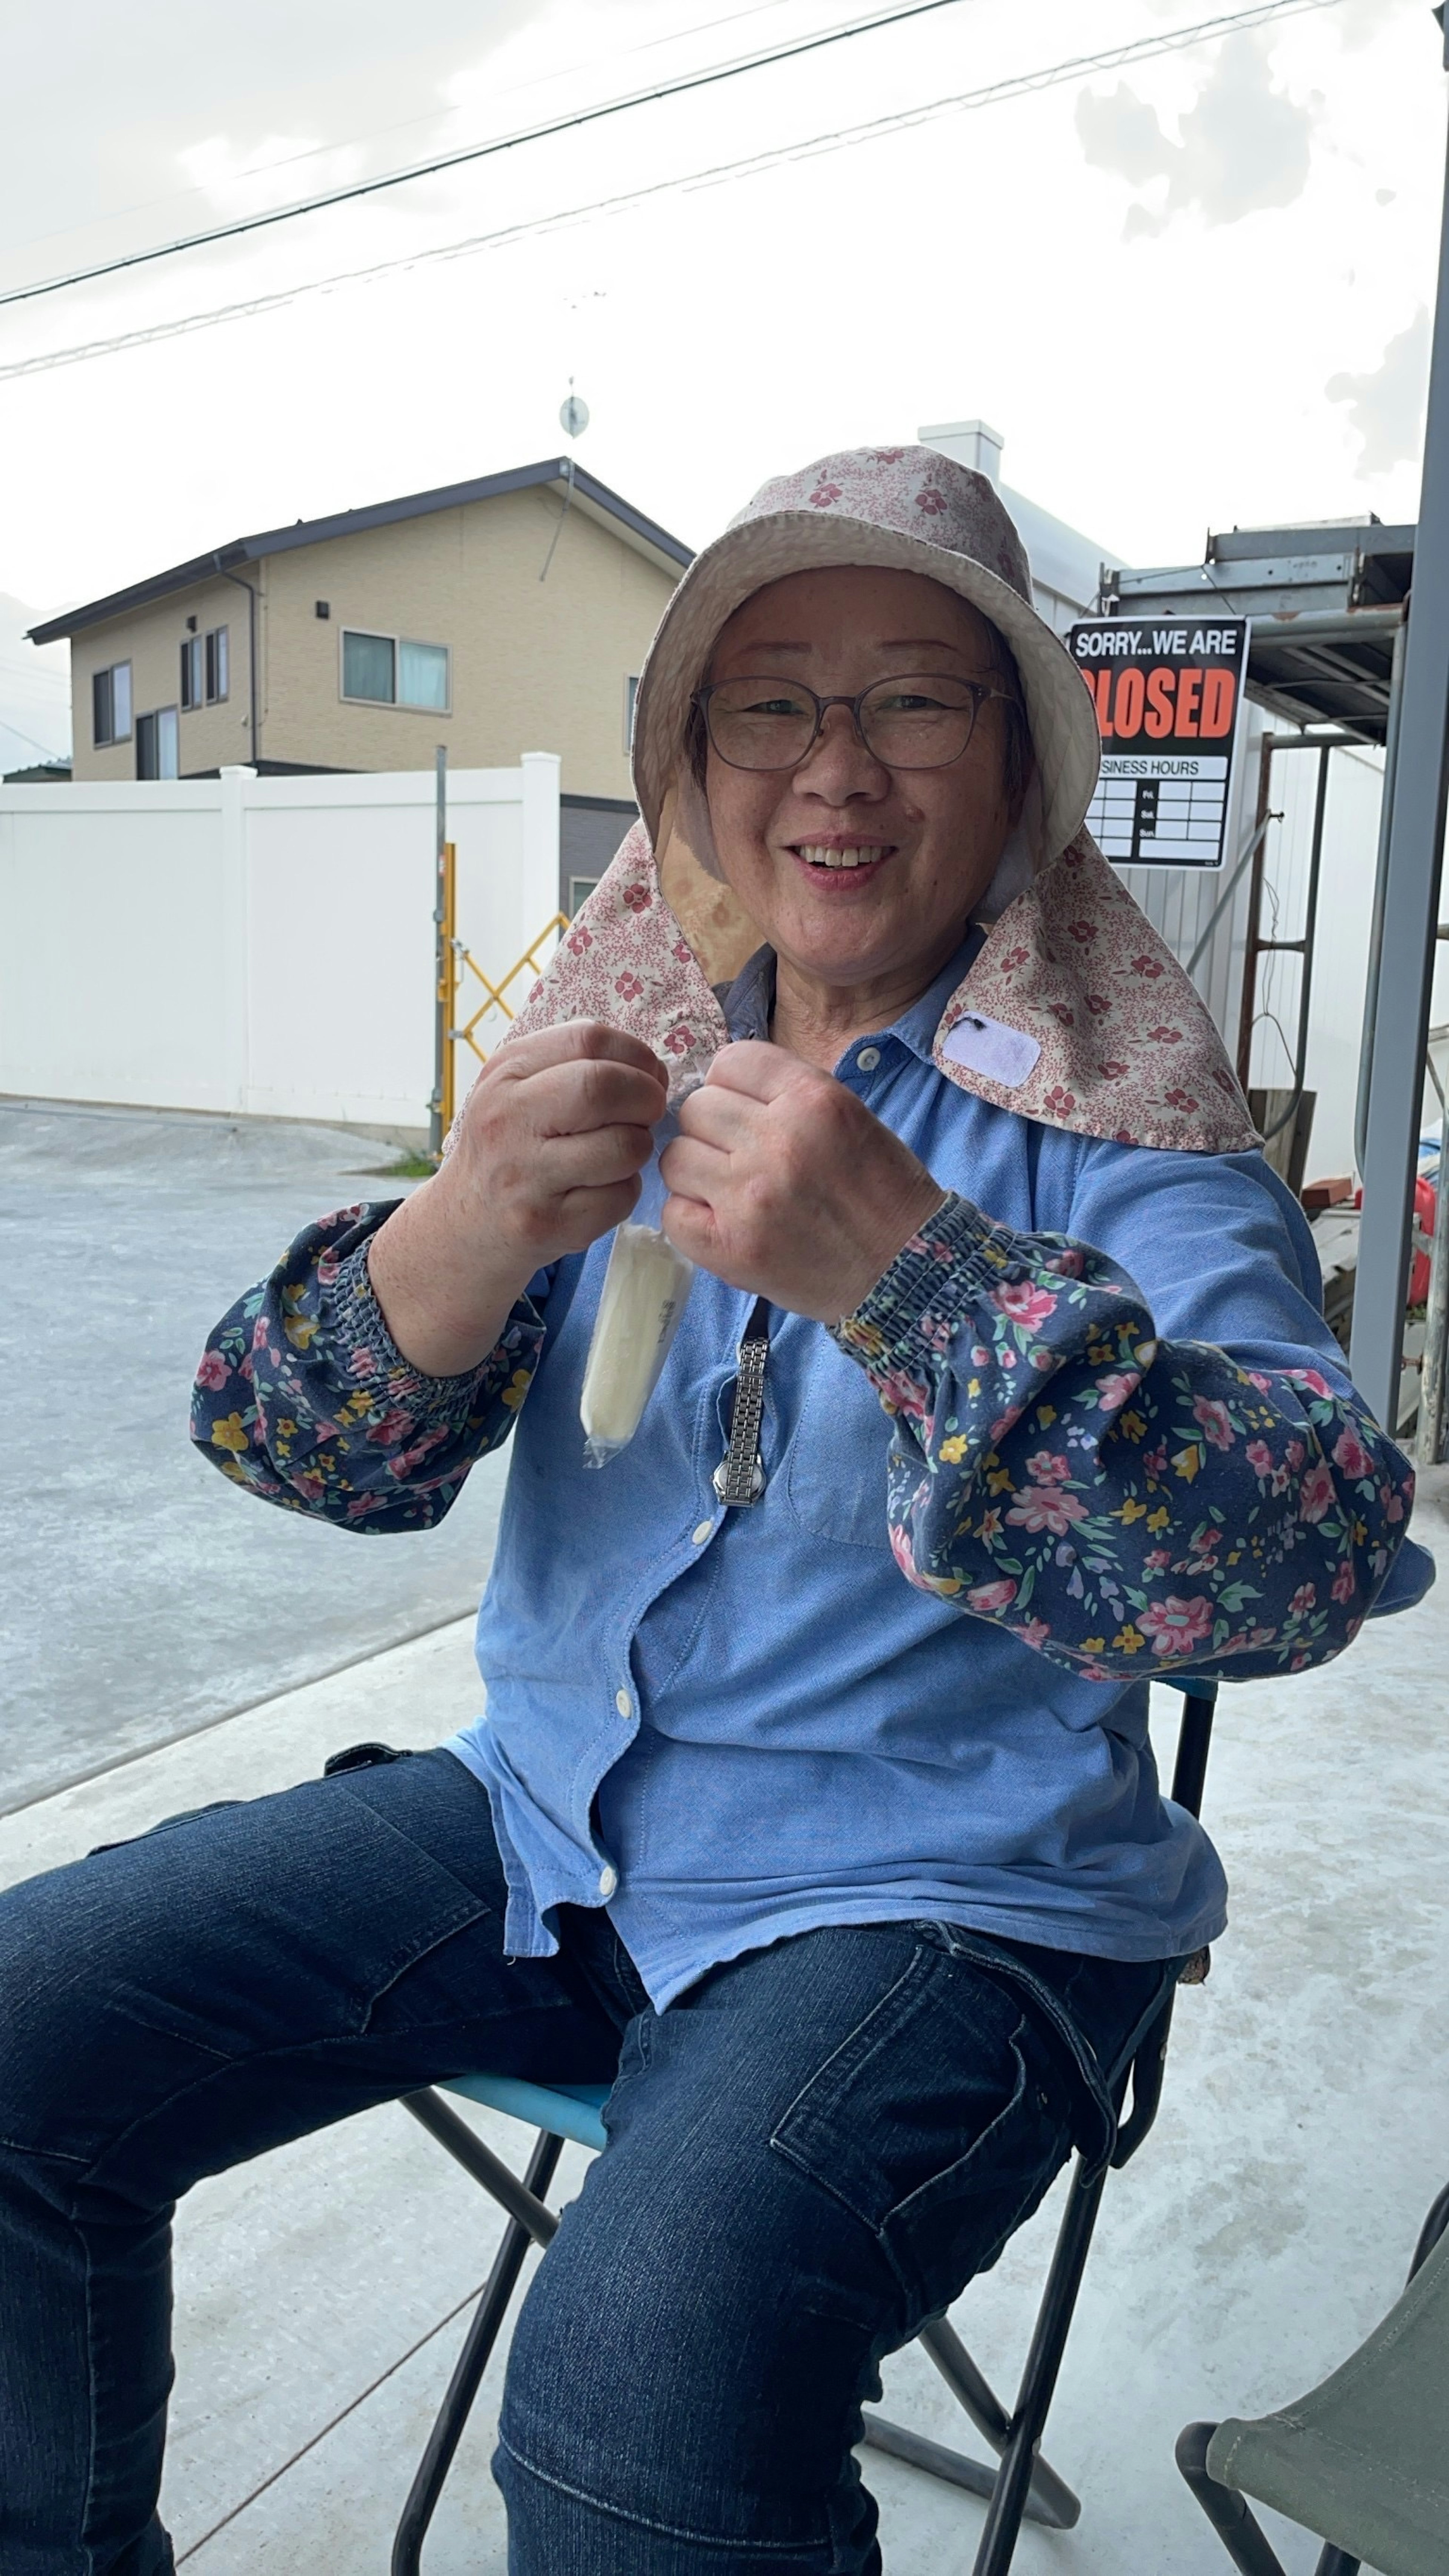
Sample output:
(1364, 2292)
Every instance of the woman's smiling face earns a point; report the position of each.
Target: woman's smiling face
(855, 872)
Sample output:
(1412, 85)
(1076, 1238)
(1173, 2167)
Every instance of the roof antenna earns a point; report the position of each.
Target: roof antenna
(573, 419)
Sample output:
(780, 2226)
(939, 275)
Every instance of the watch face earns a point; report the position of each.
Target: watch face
(725, 1476)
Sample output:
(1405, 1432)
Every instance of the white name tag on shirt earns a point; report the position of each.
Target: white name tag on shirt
(1004, 1055)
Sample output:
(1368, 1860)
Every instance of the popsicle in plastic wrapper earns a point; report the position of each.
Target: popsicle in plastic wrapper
(646, 1287)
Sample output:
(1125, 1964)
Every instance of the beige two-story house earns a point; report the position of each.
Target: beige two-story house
(499, 616)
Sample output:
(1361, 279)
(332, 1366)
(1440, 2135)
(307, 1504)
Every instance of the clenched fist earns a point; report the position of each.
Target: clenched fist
(547, 1157)
(782, 1182)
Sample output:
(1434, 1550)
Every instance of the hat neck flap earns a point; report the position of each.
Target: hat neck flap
(1074, 1013)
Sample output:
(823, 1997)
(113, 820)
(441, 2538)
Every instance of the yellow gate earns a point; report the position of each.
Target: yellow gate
(456, 960)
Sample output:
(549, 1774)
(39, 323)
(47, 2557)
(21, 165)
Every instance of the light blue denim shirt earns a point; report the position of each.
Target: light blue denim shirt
(733, 1725)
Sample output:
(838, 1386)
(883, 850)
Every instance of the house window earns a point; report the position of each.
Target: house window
(156, 744)
(369, 668)
(204, 661)
(390, 671)
(111, 704)
(580, 889)
(422, 676)
(631, 692)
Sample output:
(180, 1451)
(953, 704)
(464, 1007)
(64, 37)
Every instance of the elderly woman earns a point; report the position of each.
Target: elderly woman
(814, 1800)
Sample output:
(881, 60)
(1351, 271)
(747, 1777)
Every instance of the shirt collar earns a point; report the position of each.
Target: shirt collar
(749, 1000)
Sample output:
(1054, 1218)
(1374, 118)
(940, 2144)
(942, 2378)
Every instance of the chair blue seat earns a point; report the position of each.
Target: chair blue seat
(567, 2110)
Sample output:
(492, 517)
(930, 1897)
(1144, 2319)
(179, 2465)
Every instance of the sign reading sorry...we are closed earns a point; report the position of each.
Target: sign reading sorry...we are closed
(1167, 701)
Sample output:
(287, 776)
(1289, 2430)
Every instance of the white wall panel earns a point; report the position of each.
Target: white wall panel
(262, 945)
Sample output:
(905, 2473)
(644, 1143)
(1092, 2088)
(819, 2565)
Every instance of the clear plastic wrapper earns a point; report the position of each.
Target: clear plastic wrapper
(646, 1288)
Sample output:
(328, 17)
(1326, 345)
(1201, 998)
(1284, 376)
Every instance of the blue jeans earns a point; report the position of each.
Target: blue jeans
(809, 2155)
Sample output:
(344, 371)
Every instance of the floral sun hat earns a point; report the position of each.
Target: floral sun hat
(911, 510)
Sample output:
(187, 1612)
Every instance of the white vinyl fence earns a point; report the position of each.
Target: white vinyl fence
(262, 945)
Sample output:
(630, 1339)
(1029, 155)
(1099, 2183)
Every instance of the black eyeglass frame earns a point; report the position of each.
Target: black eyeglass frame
(980, 691)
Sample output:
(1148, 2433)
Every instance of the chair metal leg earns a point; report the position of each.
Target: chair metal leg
(478, 2344)
(957, 2468)
(1024, 2487)
(1149, 2065)
(1049, 2499)
(1039, 2379)
(1054, 2500)
(497, 2178)
(1431, 2231)
(1241, 2534)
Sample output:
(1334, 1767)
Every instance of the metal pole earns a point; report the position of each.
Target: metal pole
(1304, 948)
(1225, 898)
(250, 587)
(1429, 1447)
(1411, 911)
(1376, 918)
(442, 962)
(1252, 928)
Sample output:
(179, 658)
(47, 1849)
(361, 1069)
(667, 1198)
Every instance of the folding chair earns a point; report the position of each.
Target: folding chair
(1361, 2460)
(1022, 2484)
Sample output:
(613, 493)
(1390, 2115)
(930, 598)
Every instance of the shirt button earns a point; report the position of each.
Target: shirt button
(700, 1534)
(623, 1703)
(608, 1880)
(868, 1059)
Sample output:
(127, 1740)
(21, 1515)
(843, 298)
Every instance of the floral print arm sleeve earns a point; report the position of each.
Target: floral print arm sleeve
(303, 1397)
(1116, 1501)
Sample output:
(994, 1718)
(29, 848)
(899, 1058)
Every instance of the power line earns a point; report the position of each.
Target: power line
(21, 735)
(403, 125)
(676, 88)
(1019, 85)
(21, 672)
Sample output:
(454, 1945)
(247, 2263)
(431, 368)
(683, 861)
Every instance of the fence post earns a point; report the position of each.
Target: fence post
(540, 843)
(235, 939)
(439, 1106)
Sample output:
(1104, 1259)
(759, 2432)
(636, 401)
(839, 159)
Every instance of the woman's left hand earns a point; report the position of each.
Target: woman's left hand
(783, 1183)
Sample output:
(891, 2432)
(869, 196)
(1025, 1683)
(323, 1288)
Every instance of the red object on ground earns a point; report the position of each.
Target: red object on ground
(1316, 1195)
(1426, 1205)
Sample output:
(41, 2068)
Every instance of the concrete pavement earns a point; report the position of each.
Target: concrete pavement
(1263, 2229)
(143, 1595)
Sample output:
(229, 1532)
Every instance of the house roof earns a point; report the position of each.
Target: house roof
(593, 498)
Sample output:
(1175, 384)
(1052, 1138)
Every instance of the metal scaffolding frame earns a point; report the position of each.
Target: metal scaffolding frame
(1336, 650)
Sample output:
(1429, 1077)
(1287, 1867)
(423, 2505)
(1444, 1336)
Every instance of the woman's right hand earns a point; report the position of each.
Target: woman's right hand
(547, 1157)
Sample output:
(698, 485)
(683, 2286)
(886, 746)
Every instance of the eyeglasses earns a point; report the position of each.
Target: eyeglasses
(924, 721)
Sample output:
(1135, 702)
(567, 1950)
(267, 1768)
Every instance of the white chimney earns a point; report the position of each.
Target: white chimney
(967, 442)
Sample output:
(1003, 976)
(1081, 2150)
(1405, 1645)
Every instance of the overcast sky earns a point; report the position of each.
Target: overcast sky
(1190, 292)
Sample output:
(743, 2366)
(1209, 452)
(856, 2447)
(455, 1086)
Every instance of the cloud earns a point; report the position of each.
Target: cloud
(1241, 147)
(1360, 22)
(243, 180)
(1386, 406)
(1122, 133)
(131, 101)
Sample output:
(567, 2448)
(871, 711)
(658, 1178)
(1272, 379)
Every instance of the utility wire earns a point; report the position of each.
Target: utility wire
(44, 748)
(1019, 85)
(676, 88)
(403, 125)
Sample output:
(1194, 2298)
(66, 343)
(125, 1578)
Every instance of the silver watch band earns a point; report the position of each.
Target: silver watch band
(739, 1479)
